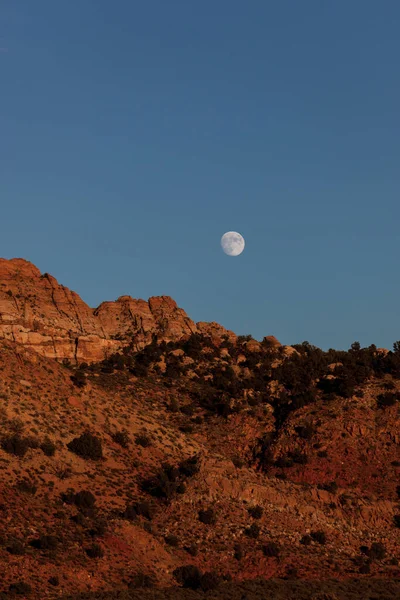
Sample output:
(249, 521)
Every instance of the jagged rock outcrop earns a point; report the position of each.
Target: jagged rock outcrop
(37, 311)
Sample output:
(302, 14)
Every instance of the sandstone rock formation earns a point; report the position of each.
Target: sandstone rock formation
(37, 311)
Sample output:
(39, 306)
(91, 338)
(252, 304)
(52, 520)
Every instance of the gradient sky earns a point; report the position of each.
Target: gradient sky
(134, 134)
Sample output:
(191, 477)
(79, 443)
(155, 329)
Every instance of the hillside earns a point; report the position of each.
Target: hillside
(135, 442)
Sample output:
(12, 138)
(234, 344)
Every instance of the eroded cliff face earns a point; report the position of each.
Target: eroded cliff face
(37, 311)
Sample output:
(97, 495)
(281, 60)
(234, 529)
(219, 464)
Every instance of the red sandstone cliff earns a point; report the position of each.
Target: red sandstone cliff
(38, 312)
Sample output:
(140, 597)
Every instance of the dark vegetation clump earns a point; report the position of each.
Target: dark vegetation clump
(140, 508)
(44, 542)
(377, 551)
(87, 446)
(84, 499)
(169, 478)
(121, 438)
(27, 487)
(387, 399)
(54, 580)
(253, 531)
(189, 576)
(141, 581)
(18, 445)
(16, 547)
(192, 550)
(238, 552)
(79, 378)
(171, 540)
(143, 440)
(48, 447)
(21, 588)
(207, 516)
(271, 549)
(318, 536)
(331, 487)
(256, 512)
(306, 540)
(95, 551)
(209, 581)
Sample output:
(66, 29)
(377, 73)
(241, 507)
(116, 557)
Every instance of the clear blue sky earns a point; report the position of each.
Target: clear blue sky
(134, 134)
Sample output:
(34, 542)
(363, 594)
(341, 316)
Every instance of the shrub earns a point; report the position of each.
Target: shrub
(171, 540)
(79, 378)
(188, 576)
(186, 428)
(398, 491)
(209, 581)
(319, 536)
(377, 551)
(140, 580)
(306, 540)
(143, 509)
(190, 466)
(365, 569)
(387, 399)
(173, 406)
(16, 444)
(87, 446)
(54, 580)
(283, 462)
(16, 547)
(95, 551)
(207, 516)
(121, 438)
(27, 487)
(20, 588)
(143, 440)
(331, 487)
(238, 552)
(256, 511)
(130, 513)
(44, 542)
(253, 531)
(271, 549)
(192, 550)
(306, 432)
(48, 447)
(298, 457)
(99, 528)
(84, 499)
(238, 462)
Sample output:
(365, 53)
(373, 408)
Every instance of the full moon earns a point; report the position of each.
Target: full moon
(232, 243)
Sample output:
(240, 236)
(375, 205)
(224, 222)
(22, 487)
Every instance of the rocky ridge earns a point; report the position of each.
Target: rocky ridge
(40, 313)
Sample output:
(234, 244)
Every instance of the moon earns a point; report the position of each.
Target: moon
(232, 243)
